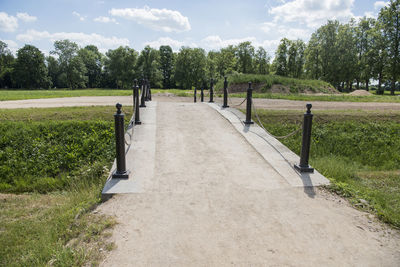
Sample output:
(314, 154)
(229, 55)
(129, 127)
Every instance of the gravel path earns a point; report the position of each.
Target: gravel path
(279, 104)
(214, 201)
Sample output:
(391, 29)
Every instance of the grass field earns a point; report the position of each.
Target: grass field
(357, 151)
(65, 152)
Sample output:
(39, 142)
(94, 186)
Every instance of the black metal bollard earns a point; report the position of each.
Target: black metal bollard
(211, 91)
(202, 94)
(225, 94)
(146, 82)
(142, 99)
(121, 171)
(136, 103)
(306, 142)
(248, 105)
(149, 92)
(195, 95)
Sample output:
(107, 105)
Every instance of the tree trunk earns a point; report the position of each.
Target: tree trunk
(367, 84)
(358, 84)
(393, 86)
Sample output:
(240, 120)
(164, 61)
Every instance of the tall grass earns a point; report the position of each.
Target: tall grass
(67, 155)
(358, 152)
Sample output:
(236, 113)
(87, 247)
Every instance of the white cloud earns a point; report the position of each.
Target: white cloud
(313, 13)
(8, 23)
(76, 14)
(105, 20)
(12, 45)
(282, 30)
(80, 38)
(379, 4)
(214, 42)
(26, 17)
(174, 44)
(158, 19)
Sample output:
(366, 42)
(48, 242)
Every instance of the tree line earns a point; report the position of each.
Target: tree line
(346, 55)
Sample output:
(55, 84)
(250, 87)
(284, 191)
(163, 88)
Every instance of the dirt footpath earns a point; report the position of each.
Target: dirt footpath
(278, 104)
(214, 201)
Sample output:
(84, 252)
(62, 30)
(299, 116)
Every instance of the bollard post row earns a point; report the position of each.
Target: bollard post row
(119, 118)
(306, 142)
(248, 120)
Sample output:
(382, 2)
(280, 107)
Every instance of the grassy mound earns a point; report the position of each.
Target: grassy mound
(275, 84)
(357, 151)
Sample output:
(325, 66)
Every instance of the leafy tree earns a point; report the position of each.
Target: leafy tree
(30, 70)
(147, 64)
(211, 64)
(120, 66)
(346, 55)
(190, 67)
(377, 55)
(92, 59)
(166, 65)
(295, 61)
(244, 57)
(261, 61)
(389, 17)
(226, 61)
(6, 65)
(281, 55)
(74, 70)
(53, 69)
(313, 57)
(364, 45)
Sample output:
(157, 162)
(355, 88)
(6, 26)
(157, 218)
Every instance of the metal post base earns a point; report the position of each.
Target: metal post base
(248, 122)
(225, 106)
(142, 105)
(138, 122)
(120, 175)
(210, 101)
(304, 169)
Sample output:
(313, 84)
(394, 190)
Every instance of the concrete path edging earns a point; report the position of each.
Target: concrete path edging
(281, 158)
(140, 156)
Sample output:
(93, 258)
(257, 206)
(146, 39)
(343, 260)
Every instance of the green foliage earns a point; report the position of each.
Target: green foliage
(147, 65)
(41, 157)
(72, 68)
(357, 151)
(120, 66)
(389, 17)
(245, 56)
(29, 69)
(166, 65)
(190, 67)
(6, 65)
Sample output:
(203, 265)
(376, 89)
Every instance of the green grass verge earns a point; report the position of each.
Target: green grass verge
(54, 93)
(65, 152)
(35, 94)
(357, 151)
(333, 97)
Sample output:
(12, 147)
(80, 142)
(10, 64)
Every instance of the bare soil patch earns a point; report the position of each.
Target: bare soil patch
(360, 93)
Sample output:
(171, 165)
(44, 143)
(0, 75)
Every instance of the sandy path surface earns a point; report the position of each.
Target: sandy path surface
(260, 103)
(214, 201)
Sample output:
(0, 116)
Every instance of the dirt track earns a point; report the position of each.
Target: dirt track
(278, 104)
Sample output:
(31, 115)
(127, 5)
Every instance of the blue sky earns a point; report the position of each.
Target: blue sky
(210, 24)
